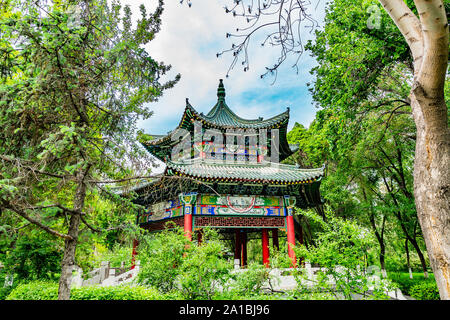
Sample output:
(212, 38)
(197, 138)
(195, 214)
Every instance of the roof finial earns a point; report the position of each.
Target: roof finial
(221, 90)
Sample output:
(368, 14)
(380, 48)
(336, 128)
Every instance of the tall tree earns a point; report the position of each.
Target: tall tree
(75, 78)
(427, 35)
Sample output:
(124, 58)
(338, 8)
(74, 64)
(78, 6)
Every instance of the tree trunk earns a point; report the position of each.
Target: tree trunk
(68, 261)
(432, 183)
(427, 37)
(380, 239)
(382, 263)
(423, 263)
(407, 259)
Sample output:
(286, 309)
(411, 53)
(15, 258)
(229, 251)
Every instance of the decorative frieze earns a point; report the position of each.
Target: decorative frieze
(242, 222)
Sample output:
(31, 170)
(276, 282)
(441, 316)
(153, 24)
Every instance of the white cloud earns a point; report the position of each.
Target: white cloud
(189, 40)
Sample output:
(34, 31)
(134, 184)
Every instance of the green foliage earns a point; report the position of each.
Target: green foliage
(364, 130)
(280, 258)
(33, 256)
(161, 255)
(74, 80)
(405, 284)
(36, 290)
(122, 292)
(249, 282)
(169, 261)
(119, 254)
(425, 290)
(352, 57)
(45, 290)
(340, 250)
(204, 269)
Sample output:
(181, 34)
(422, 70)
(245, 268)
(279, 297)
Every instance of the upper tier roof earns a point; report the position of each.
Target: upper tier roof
(222, 116)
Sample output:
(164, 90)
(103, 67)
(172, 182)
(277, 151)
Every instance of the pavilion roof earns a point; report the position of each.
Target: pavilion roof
(243, 172)
(220, 117)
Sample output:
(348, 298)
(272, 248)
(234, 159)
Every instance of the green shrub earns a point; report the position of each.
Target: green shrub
(4, 292)
(249, 282)
(425, 290)
(172, 263)
(160, 255)
(123, 292)
(33, 257)
(340, 249)
(35, 290)
(204, 269)
(44, 290)
(405, 283)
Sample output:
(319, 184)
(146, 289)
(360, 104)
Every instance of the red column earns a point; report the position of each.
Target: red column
(291, 239)
(244, 249)
(188, 222)
(275, 239)
(265, 247)
(133, 254)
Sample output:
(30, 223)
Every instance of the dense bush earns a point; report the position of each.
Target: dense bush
(46, 290)
(425, 290)
(35, 290)
(160, 255)
(33, 257)
(340, 250)
(171, 263)
(205, 269)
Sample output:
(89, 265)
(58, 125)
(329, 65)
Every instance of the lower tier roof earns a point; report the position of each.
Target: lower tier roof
(244, 172)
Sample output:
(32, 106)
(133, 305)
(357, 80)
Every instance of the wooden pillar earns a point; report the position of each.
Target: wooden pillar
(291, 239)
(188, 201)
(289, 203)
(134, 253)
(275, 242)
(244, 249)
(188, 224)
(265, 247)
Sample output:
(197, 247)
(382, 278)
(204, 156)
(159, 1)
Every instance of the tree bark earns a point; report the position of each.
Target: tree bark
(379, 235)
(407, 259)
(427, 37)
(423, 263)
(68, 261)
(432, 185)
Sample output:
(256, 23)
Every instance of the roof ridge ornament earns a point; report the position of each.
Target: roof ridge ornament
(221, 91)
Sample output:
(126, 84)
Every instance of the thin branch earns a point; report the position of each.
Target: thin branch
(36, 222)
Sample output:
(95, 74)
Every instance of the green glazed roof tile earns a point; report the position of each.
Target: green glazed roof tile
(245, 172)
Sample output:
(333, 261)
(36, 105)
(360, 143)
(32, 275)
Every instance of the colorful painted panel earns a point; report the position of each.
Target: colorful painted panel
(271, 201)
(241, 222)
(162, 210)
(240, 205)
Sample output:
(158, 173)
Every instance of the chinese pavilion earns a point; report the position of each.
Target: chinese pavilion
(226, 174)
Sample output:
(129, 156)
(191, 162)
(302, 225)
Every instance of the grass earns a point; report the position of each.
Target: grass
(405, 283)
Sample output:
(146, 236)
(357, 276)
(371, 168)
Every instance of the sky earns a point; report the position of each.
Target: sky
(189, 40)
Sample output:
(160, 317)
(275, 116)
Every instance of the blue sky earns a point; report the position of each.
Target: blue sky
(189, 40)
